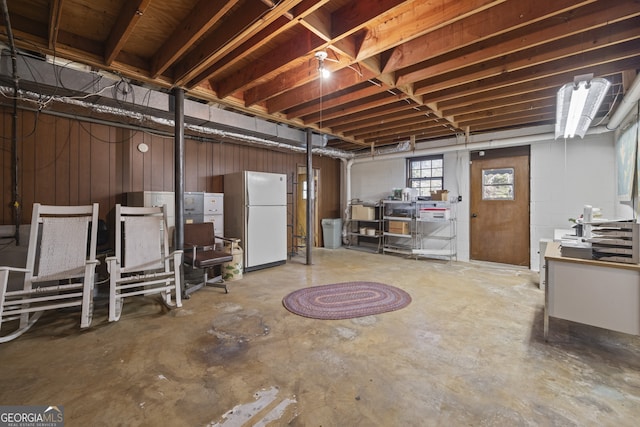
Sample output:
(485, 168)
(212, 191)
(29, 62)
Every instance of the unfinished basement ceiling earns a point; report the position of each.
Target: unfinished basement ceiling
(400, 70)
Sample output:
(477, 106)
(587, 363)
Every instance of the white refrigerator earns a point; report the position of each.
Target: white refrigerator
(255, 211)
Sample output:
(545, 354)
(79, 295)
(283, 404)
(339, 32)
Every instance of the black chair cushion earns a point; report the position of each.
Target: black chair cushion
(206, 259)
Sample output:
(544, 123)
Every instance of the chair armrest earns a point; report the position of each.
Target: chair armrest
(228, 239)
(111, 262)
(4, 275)
(16, 269)
(177, 256)
(198, 248)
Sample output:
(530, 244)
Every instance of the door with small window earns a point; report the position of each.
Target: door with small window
(499, 206)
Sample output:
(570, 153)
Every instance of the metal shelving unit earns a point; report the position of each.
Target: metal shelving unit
(436, 232)
(420, 229)
(399, 227)
(365, 234)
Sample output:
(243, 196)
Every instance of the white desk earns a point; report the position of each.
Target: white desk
(597, 293)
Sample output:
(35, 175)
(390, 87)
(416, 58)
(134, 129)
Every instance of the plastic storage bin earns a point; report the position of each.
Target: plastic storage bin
(332, 232)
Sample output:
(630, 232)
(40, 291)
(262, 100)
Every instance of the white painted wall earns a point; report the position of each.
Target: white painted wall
(564, 177)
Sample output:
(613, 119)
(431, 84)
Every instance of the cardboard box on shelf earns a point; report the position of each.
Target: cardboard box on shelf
(398, 227)
(435, 214)
(440, 195)
(363, 213)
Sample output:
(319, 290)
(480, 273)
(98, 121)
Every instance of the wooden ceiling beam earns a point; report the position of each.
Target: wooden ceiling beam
(409, 130)
(372, 123)
(81, 46)
(339, 80)
(405, 136)
(500, 102)
(270, 31)
(355, 95)
(128, 17)
(472, 30)
(352, 108)
(525, 38)
(266, 67)
(236, 29)
(418, 119)
(571, 65)
(524, 109)
(598, 39)
(344, 44)
(27, 32)
(55, 12)
(414, 20)
(544, 82)
(333, 29)
(357, 15)
(298, 76)
(202, 17)
(319, 23)
(218, 68)
(346, 123)
(540, 119)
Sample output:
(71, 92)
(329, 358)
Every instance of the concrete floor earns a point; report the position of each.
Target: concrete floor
(468, 350)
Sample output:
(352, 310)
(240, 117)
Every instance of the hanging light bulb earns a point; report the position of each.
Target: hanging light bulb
(321, 56)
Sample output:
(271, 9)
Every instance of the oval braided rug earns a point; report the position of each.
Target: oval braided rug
(346, 300)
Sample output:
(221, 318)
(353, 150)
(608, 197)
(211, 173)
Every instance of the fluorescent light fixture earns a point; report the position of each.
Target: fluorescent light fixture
(577, 105)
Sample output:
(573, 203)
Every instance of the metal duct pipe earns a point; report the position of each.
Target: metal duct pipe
(477, 145)
(147, 120)
(630, 99)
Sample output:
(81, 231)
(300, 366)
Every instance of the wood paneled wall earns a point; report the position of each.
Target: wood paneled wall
(66, 161)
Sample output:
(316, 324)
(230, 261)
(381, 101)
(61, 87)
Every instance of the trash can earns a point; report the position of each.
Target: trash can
(332, 232)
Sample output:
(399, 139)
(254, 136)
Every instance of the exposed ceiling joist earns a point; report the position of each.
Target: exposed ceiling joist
(469, 66)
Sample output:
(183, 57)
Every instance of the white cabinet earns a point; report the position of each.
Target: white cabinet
(155, 199)
(597, 293)
(214, 211)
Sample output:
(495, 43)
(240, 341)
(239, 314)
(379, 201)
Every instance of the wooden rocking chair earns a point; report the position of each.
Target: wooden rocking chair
(61, 261)
(143, 263)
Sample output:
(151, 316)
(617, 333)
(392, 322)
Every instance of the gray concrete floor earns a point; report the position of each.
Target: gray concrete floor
(468, 350)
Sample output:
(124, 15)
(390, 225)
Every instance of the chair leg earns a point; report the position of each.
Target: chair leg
(216, 282)
(115, 302)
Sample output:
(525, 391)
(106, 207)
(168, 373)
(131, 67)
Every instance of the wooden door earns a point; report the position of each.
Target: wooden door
(499, 223)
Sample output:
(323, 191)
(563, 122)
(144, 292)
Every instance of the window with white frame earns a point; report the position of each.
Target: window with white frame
(425, 174)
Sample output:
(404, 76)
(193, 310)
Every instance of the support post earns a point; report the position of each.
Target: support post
(16, 204)
(310, 198)
(178, 94)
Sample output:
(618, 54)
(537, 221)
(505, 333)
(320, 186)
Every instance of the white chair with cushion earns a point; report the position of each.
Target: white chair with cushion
(143, 263)
(60, 268)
